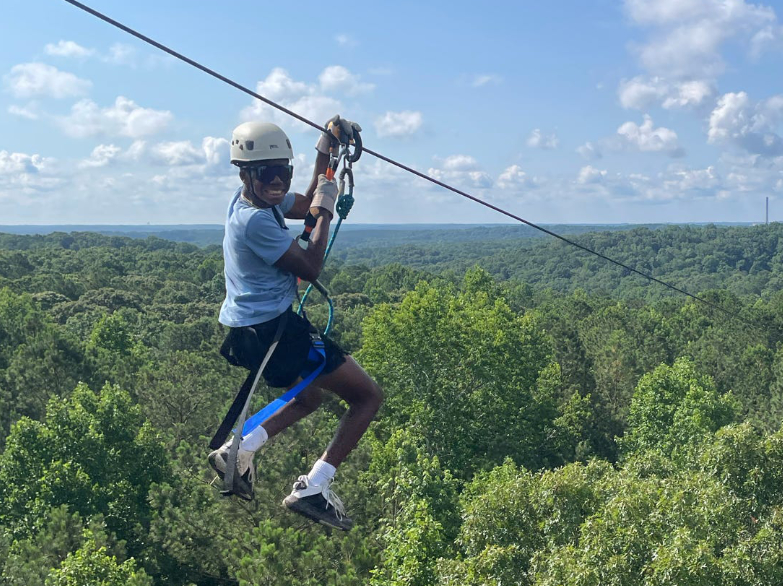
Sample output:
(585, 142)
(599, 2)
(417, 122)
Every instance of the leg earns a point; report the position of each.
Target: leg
(298, 408)
(312, 495)
(364, 398)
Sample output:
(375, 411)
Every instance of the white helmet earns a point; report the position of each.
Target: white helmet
(259, 141)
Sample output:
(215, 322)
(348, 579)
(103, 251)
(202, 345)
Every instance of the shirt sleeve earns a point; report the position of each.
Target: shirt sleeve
(266, 238)
(288, 202)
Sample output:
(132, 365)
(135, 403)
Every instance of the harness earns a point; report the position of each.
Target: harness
(242, 352)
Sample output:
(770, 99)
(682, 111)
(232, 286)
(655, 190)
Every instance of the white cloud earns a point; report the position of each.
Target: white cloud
(398, 124)
(541, 141)
(646, 138)
(306, 100)
(67, 49)
(38, 79)
(101, 156)
(177, 153)
(121, 54)
(589, 151)
(12, 163)
(486, 79)
(689, 180)
(689, 94)
(21, 173)
(345, 41)
(136, 150)
(687, 35)
(590, 174)
(767, 39)
(461, 170)
(642, 92)
(212, 156)
(337, 78)
(460, 163)
(28, 112)
(216, 152)
(279, 86)
(753, 127)
(124, 118)
(514, 178)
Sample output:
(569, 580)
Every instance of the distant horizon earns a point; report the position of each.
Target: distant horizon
(356, 224)
(598, 113)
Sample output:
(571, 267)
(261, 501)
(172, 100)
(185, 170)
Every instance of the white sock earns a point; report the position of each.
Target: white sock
(322, 473)
(253, 441)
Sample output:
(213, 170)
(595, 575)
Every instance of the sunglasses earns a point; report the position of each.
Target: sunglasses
(267, 173)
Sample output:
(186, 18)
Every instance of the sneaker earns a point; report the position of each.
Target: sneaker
(318, 503)
(218, 459)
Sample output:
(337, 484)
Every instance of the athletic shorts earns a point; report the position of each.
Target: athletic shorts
(247, 347)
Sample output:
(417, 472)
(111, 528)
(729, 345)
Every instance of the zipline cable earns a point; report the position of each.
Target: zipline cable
(269, 102)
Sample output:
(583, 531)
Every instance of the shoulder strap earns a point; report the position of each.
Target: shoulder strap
(279, 217)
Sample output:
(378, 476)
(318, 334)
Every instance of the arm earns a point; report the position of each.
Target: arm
(307, 263)
(302, 203)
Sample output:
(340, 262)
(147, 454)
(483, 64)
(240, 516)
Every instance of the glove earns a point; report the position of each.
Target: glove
(324, 197)
(341, 128)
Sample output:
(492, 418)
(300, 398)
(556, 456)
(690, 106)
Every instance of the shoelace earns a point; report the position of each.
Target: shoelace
(334, 500)
(331, 498)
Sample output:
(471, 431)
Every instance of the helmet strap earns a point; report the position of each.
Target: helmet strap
(254, 199)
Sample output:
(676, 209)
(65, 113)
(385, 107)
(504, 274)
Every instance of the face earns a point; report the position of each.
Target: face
(269, 188)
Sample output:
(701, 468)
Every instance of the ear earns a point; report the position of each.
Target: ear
(244, 176)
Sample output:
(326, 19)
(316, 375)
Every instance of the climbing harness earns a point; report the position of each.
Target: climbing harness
(317, 355)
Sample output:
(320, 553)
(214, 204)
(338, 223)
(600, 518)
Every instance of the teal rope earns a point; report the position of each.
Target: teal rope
(344, 205)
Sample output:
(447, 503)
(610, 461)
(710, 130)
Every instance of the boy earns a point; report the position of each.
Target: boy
(262, 263)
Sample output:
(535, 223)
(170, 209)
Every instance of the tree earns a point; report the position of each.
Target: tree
(461, 370)
(672, 408)
(93, 452)
(94, 565)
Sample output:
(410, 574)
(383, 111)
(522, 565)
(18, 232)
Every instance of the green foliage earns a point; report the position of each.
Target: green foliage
(65, 549)
(411, 548)
(461, 368)
(30, 560)
(111, 334)
(416, 502)
(672, 408)
(37, 360)
(94, 565)
(495, 389)
(94, 453)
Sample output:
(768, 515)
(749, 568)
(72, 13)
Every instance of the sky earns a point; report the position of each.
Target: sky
(624, 111)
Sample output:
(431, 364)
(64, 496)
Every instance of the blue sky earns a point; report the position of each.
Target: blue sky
(574, 112)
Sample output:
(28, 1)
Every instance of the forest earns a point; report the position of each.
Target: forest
(549, 419)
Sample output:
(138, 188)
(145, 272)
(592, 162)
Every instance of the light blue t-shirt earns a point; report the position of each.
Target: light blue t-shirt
(256, 290)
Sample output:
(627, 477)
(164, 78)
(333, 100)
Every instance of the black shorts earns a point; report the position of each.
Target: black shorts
(248, 346)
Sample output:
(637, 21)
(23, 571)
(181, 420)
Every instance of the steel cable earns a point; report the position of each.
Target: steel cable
(320, 128)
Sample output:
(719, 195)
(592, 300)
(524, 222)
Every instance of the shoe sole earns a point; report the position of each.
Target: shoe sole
(246, 495)
(213, 463)
(314, 514)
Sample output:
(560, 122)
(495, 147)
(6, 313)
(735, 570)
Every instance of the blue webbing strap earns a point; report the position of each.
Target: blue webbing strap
(316, 353)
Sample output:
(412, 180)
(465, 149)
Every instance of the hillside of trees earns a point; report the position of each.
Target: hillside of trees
(548, 420)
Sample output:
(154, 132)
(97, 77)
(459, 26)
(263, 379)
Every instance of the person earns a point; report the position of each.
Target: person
(262, 263)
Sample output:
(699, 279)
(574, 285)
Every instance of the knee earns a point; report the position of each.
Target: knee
(310, 399)
(375, 397)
